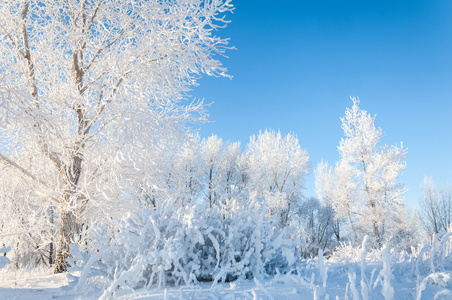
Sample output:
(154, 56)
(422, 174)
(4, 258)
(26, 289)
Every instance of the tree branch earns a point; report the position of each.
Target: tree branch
(22, 170)
(27, 54)
(91, 21)
(15, 45)
(100, 50)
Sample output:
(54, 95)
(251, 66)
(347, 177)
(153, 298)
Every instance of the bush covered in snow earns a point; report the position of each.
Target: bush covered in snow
(176, 245)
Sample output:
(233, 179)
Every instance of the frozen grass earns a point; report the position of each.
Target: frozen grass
(374, 274)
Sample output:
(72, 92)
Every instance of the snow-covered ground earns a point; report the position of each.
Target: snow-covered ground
(340, 284)
(49, 286)
(31, 285)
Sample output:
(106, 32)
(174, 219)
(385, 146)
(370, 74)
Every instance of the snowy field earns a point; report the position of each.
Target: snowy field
(330, 279)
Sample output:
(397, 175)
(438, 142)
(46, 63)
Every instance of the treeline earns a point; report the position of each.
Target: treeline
(213, 179)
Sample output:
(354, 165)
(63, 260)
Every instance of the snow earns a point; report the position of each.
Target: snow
(32, 285)
(349, 273)
(46, 286)
(397, 275)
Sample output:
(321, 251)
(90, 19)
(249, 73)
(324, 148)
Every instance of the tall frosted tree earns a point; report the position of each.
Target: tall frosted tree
(88, 88)
(372, 196)
(276, 167)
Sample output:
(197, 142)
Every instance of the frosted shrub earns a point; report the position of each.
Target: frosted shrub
(345, 253)
(183, 245)
(433, 257)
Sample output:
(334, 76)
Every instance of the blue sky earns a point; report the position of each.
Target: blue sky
(298, 62)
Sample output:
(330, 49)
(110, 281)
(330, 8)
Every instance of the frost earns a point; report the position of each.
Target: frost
(165, 252)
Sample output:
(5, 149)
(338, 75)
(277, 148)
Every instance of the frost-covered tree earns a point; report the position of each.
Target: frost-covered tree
(436, 207)
(328, 191)
(90, 89)
(233, 168)
(430, 206)
(445, 194)
(277, 166)
(371, 195)
(407, 232)
(315, 226)
(211, 151)
(184, 177)
(224, 172)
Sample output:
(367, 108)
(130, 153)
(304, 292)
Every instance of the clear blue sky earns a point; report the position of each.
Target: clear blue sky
(298, 62)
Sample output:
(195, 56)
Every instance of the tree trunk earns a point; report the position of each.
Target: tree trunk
(376, 230)
(70, 203)
(51, 254)
(51, 246)
(68, 229)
